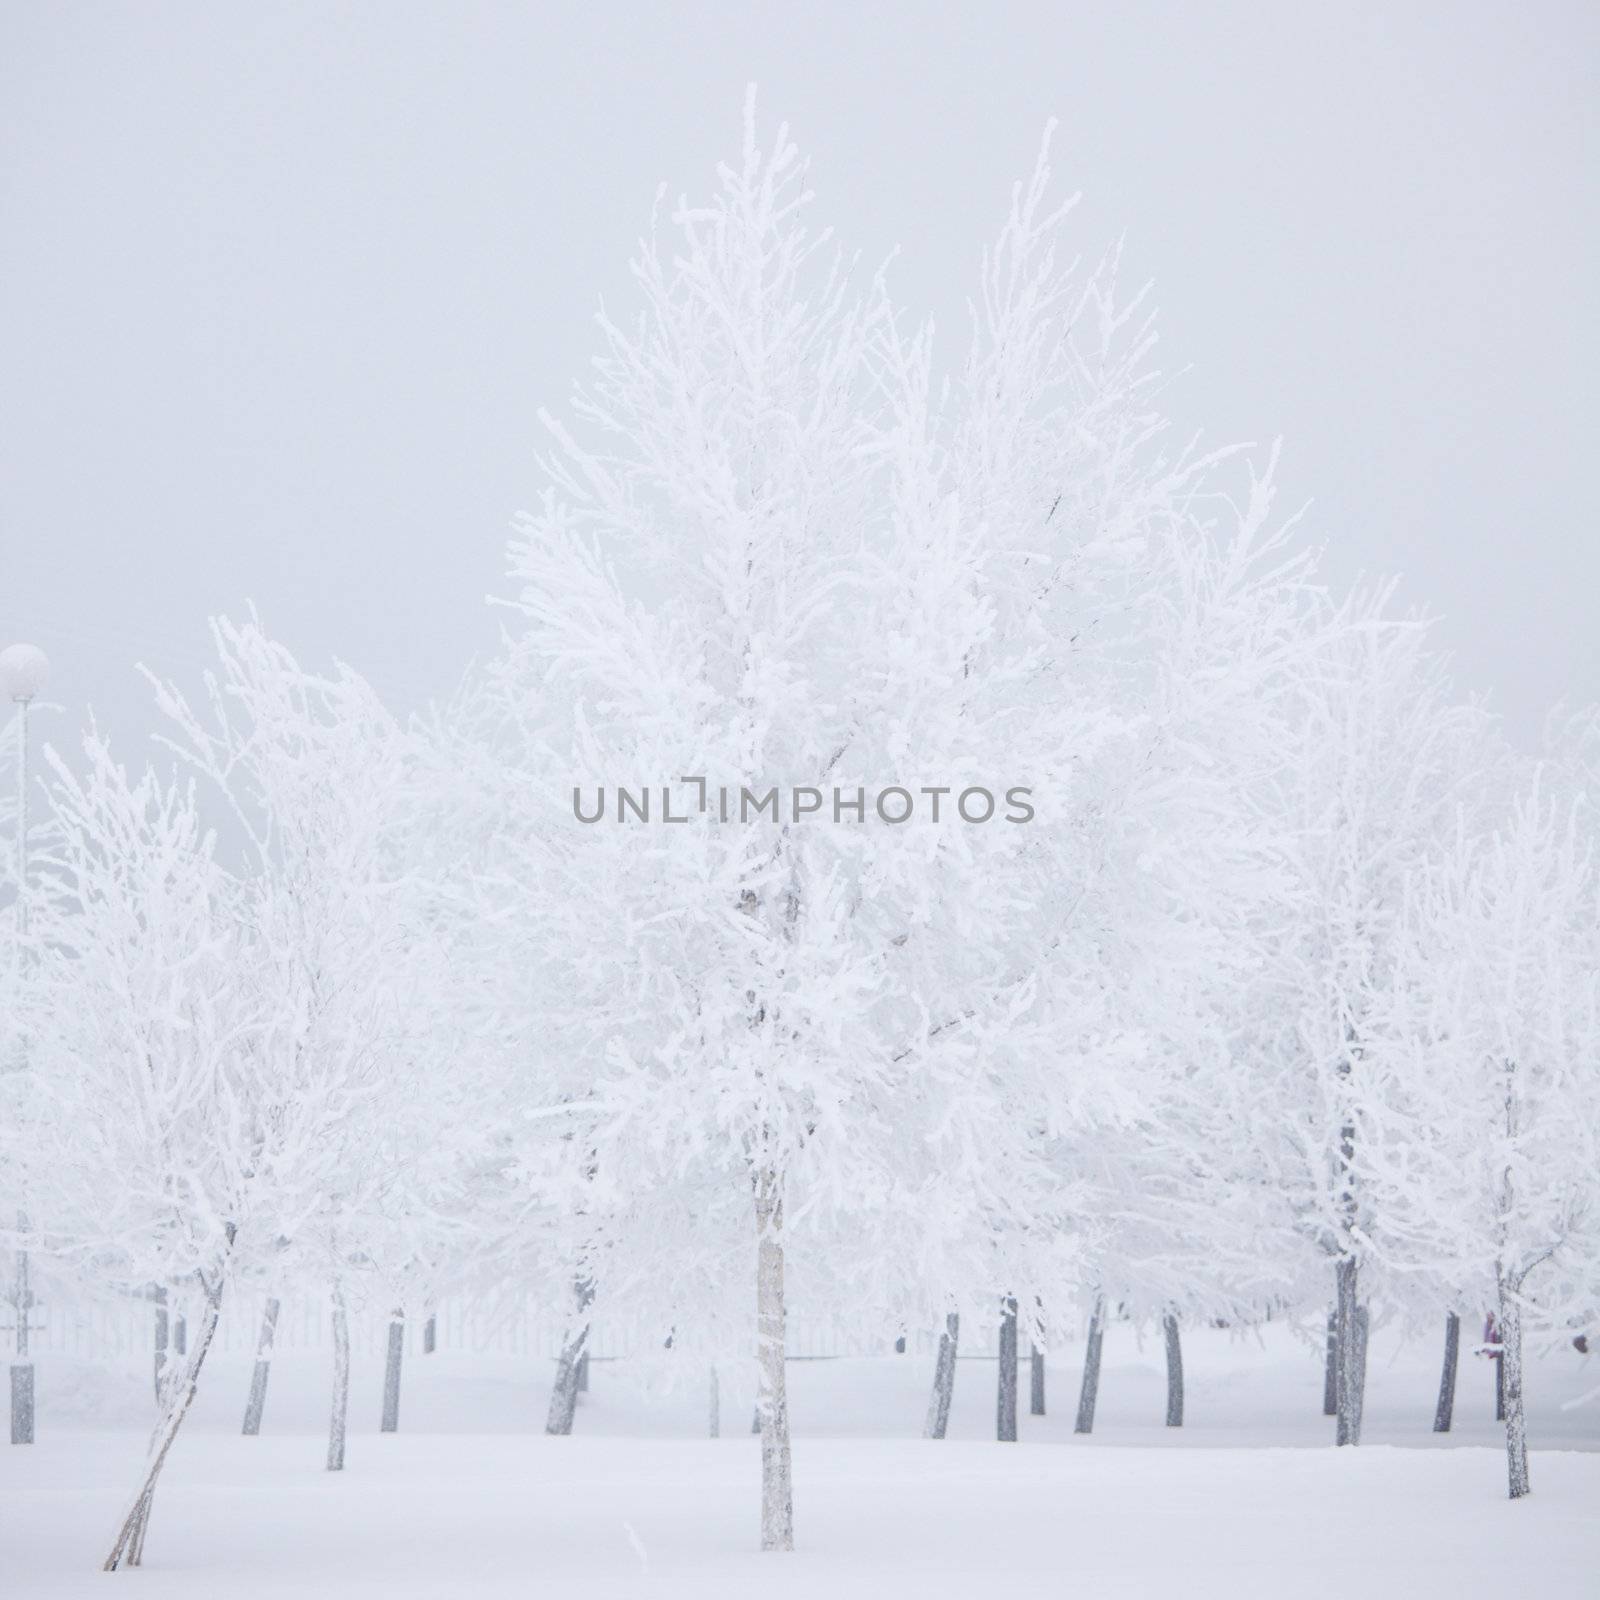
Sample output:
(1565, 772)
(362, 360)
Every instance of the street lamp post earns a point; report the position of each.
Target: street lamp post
(23, 670)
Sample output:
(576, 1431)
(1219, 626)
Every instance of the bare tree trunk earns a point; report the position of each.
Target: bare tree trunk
(22, 1367)
(1350, 1330)
(163, 1334)
(1005, 1420)
(755, 1420)
(180, 1334)
(1330, 1370)
(944, 1378)
(564, 1392)
(1174, 1372)
(1089, 1392)
(569, 1366)
(128, 1550)
(1352, 1365)
(391, 1372)
(341, 1381)
(714, 1405)
(430, 1334)
(135, 1555)
(1036, 1383)
(1497, 1357)
(258, 1379)
(1444, 1411)
(1510, 1365)
(777, 1481)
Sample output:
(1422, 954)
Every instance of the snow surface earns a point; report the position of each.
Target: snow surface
(634, 1504)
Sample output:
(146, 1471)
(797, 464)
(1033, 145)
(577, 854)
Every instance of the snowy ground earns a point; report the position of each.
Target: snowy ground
(472, 1500)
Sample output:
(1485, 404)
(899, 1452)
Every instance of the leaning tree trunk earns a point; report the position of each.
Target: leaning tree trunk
(258, 1379)
(1444, 1412)
(583, 1373)
(1352, 1353)
(1036, 1383)
(341, 1382)
(1005, 1421)
(1330, 1369)
(569, 1366)
(777, 1480)
(564, 1392)
(944, 1378)
(128, 1550)
(1174, 1372)
(1510, 1327)
(391, 1372)
(1089, 1392)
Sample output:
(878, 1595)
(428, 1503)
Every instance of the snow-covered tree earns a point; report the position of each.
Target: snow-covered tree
(1377, 763)
(1487, 1154)
(161, 1140)
(773, 611)
(349, 967)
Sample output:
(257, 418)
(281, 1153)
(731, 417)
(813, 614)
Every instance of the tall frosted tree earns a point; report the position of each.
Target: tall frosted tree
(1377, 762)
(1488, 1156)
(812, 609)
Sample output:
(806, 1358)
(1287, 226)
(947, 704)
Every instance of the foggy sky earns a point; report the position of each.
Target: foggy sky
(282, 286)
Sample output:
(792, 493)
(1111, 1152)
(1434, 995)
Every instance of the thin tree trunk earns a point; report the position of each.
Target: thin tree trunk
(564, 1392)
(777, 1482)
(1005, 1422)
(714, 1405)
(180, 1334)
(135, 1555)
(1510, 1365)
(22, 1367)
(258, 1379)
(1330, 1370)
(755, 1420)
(569, 1366)
(1174, 1372)
(163, 1334)
(1444, 1412)
(1350, 1329)
(391, 1372)
(1089, 1392)
(944, 1378)
(1492, 1333)
(341, 1382)
(1351, 1316)
(128, 1550)
(430, 1334)
(1036, 1383)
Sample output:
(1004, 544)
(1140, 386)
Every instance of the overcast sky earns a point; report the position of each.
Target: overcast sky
(282, 286)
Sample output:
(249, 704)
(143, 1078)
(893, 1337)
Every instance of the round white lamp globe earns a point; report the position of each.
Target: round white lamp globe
(23, 670)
